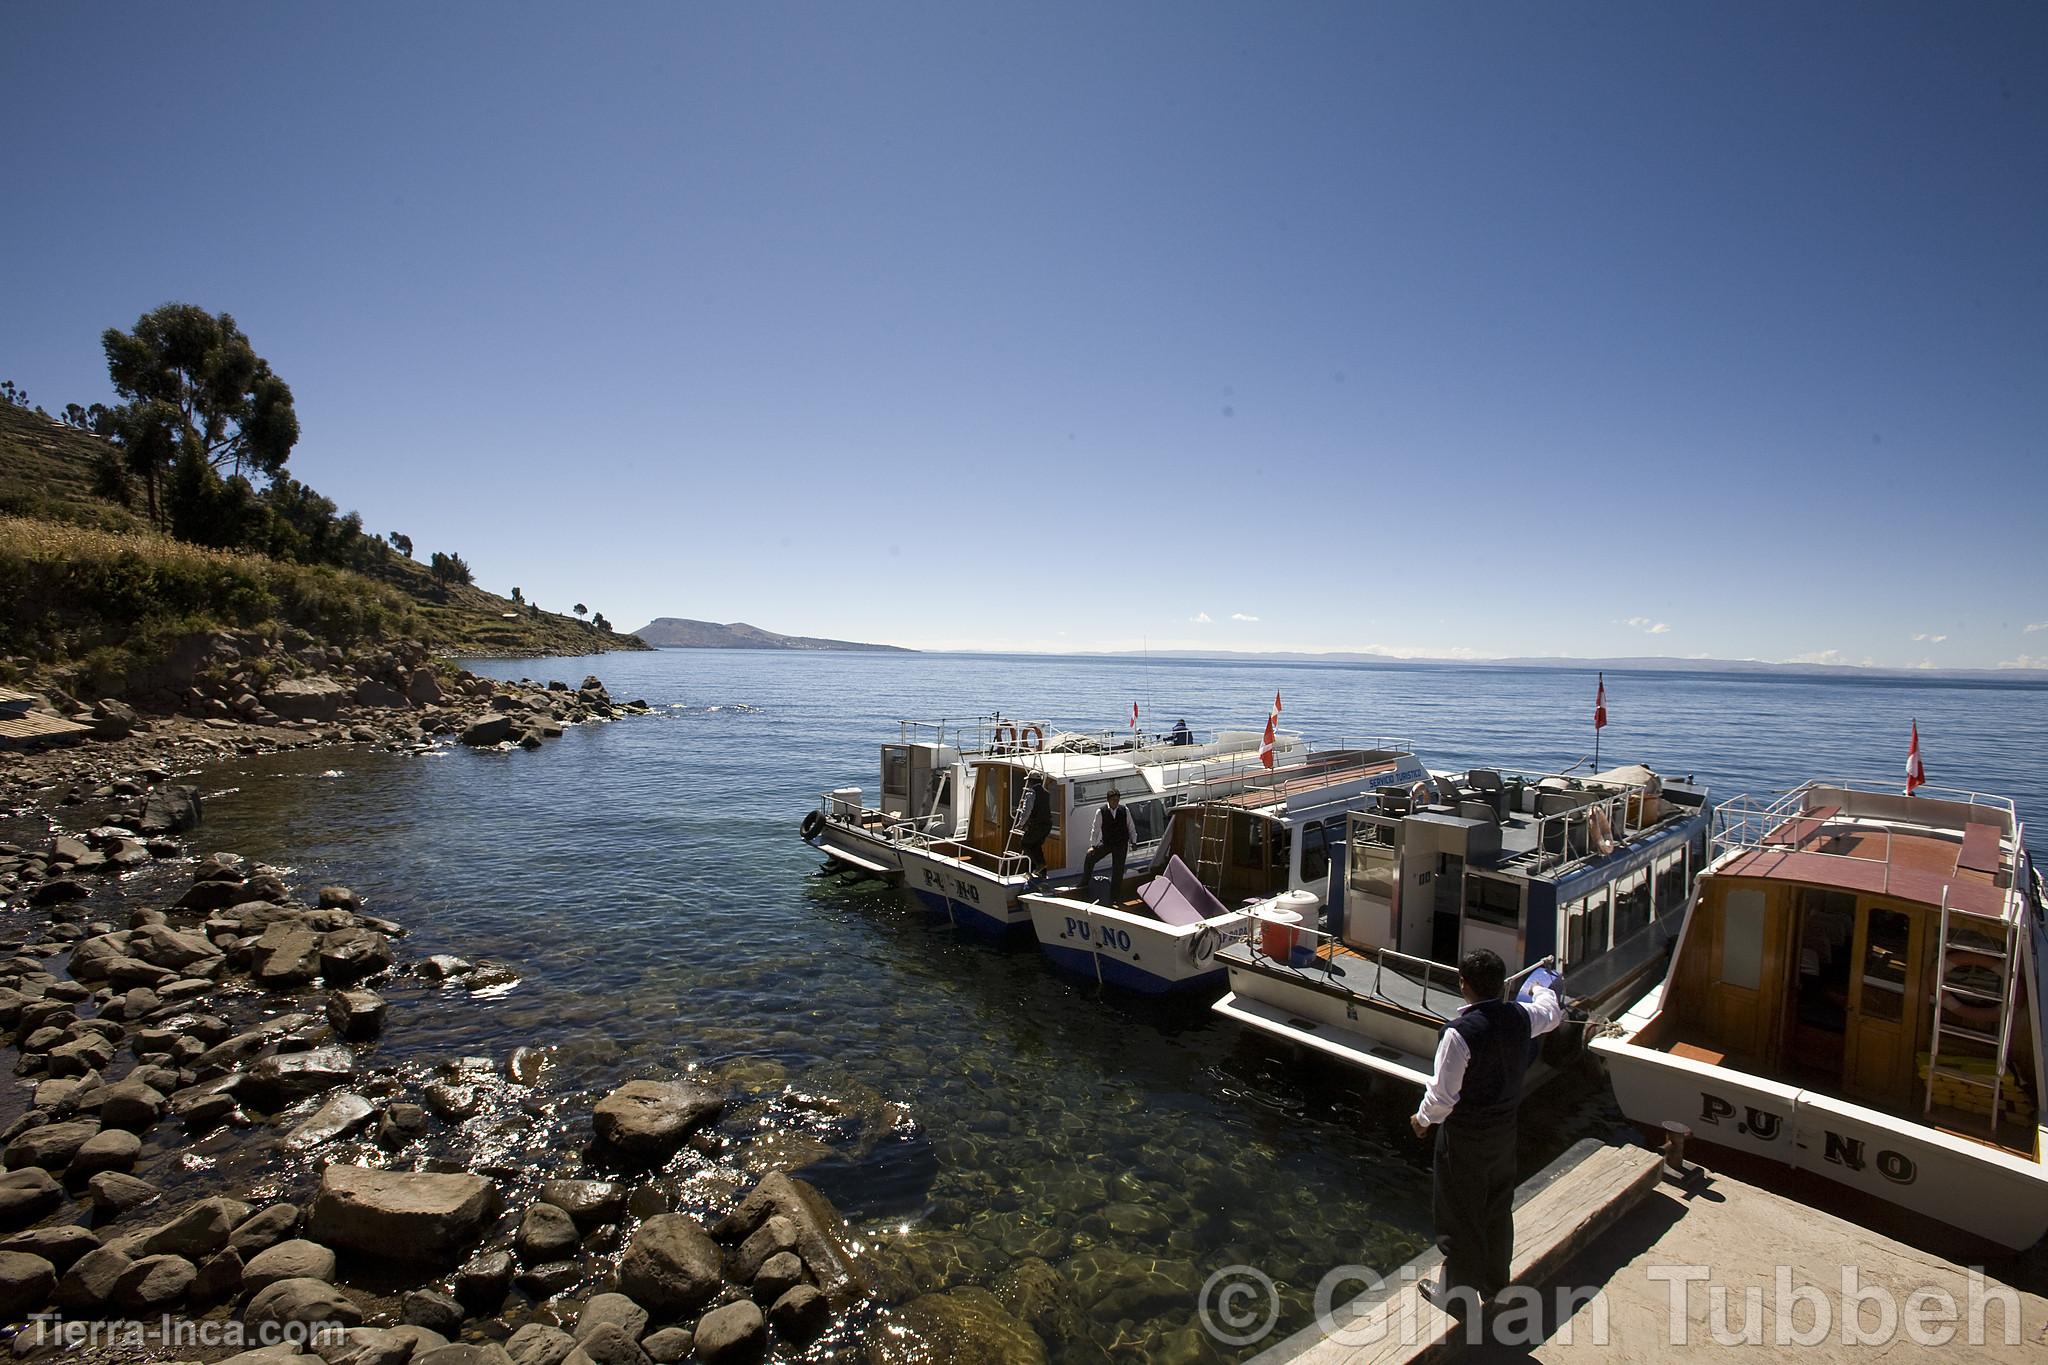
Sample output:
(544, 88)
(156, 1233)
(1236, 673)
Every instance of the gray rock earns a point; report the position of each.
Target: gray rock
(162, 946)
(818, 1227)
(279, 1080)
(114, 1194)
(669, 1345)
(379, 1345)
(110, 1149)
(778, 1275)
(616, 1309)
(399, 1214)
(349, 955)
(464, 1353)
(423, 688)
(297, 1259)
(341, 1115)
(89, 1284)
(169, 809)
(61, 1244)
(51, 1146)
(483, 730)
(26, 1283)
(672, 1267)
(27, 1194)
(220, 1278)
(592, 1203)
(608, 1343)
(776, 1235)
(264, 1229)
(548, 1279)
(400, 1124)
(433, 1310)
(736, 1332)
(649, 1119)
(370, 692)
(539, 1344)
(284, 956)
(154, 1283)
(303, 1301)
(546, 1233)
(306, 698)
(132, 1105)
(801, 1315)
(199, 1230)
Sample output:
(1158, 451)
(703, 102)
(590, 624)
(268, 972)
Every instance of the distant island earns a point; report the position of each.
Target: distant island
(674, 632)
(1652, 663)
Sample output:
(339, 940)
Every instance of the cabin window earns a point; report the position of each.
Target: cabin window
(1742, 939)
(1599, 919)
(1670, 878)
(1247, 842)
(896, 773)
(1492, 901)
(1315, 851)
(1574, 934)
(1887, 940)
(993, 790)
(1631, 904)
(1282, 854)
(1148, 820)
(1372, 870)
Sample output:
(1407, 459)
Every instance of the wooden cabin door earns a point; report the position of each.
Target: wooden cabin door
(1884, 1003)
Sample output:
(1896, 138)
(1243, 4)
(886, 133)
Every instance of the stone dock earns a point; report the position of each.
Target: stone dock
(1619, 1258)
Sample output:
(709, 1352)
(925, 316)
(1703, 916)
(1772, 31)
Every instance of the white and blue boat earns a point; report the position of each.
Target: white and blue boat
(1225, 865)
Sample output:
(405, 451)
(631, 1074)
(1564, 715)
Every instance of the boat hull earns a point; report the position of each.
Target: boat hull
(1972, 1186)
(1133, 952)
(851, 846)
(965, 895)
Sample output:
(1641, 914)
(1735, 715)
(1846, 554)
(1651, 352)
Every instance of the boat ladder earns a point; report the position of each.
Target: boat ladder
(1212, 846)
(1999, 1037)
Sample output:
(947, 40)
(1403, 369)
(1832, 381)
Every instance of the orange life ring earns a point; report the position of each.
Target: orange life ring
(1006, 733)
(1968, 1013)
(1033, 738)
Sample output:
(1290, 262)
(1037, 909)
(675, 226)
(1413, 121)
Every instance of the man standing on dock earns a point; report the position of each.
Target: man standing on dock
(1471, 1102)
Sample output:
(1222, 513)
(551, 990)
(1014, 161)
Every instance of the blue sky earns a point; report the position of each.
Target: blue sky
(1446, 329)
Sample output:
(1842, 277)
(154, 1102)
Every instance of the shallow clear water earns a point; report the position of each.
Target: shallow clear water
(966, 1105)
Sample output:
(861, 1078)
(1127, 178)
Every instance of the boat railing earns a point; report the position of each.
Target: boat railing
(1590, 828)
(1748, 823)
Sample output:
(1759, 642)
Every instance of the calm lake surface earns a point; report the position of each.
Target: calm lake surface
(967, 1107)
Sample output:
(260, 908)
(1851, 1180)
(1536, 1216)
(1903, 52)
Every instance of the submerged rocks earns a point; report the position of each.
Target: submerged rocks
(169, 808)
(647, 1120)
(401, 1215)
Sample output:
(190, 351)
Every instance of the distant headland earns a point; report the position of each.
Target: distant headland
(675, 632)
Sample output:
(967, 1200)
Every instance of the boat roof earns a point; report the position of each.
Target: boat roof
(1960, 849)
(1331, 777)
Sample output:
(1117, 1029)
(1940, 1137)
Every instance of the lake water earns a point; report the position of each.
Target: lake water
(967, 1107)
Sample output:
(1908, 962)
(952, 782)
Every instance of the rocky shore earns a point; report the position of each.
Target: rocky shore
(221, 999)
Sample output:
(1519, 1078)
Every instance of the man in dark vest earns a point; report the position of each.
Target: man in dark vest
(1471, 1103)
(1111, 839)
(1034, 824)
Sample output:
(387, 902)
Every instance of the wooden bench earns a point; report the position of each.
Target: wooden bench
(1980, 850)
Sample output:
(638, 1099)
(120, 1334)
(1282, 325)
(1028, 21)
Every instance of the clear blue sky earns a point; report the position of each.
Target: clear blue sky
(1712, 329)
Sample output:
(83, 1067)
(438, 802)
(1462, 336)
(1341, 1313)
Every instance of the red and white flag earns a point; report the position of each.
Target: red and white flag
(1134, 716)
(1916, 773)
(1600, 705)
(1266, 745)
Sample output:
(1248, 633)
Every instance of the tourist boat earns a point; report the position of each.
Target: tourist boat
(1857, 997)
(976, 877)
(1590, 874)
(1267, 849)
(927, 778)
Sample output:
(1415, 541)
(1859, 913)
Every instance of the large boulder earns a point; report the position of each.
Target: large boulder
(591, 1203)
(304, 1301)
(649, 1119)
(287, 1076)
(198, 1231)
(736, 1332)
(370, 692)
(26, 1283)
(170, 808)
(673, 1267)
(297, 1259)
(539, 1344)
(51, 1146)
(485, 730)
(423, 688)
(818, 1232)
(28, 1194)
(154, 1283)
(341, 1115)
(306, 698)
(402, 1215)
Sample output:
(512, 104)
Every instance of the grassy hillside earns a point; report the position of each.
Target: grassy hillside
(86, 586)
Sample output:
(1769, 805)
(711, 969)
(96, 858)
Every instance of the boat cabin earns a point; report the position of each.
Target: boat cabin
(1572, 867)
(1871, 946)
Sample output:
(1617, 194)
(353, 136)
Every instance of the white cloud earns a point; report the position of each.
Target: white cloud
(1819, 656)
(2025, 661)
(1661, 628)
(1638, 622)
(1647, 625)
(1200, 618)
(2038, 625)
(1420, 651)
(1922, 637)
(1240, 616)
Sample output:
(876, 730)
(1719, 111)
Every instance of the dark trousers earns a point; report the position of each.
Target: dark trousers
(1472, 1198)
(1034, 849)
(1116, 858)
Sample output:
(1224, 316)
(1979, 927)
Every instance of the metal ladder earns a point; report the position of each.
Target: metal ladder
(940, 781)
(1212, 846)
(2007, 957)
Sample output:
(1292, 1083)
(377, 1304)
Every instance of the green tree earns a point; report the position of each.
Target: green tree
(15, 396)
(517, 598)
(450, 568)
(193, 385)
(580, 609)
(602, 624)
(401, 543)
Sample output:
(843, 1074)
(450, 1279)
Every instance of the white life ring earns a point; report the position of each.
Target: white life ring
(1203, 945)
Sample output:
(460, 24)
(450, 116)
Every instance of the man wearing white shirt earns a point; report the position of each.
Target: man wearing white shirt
(1111, 838)
(1471, 1102)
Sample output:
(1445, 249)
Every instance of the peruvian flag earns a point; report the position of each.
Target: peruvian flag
(1134, 717)
(1600, 705)
(1266, 745)
(1916, 773)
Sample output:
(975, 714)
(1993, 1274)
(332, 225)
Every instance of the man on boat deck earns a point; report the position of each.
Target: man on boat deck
(1181, 734)
(1034, 824)
(1471, 1101)
(1111, 839)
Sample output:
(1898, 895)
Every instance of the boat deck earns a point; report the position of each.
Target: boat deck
(1389, 984)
